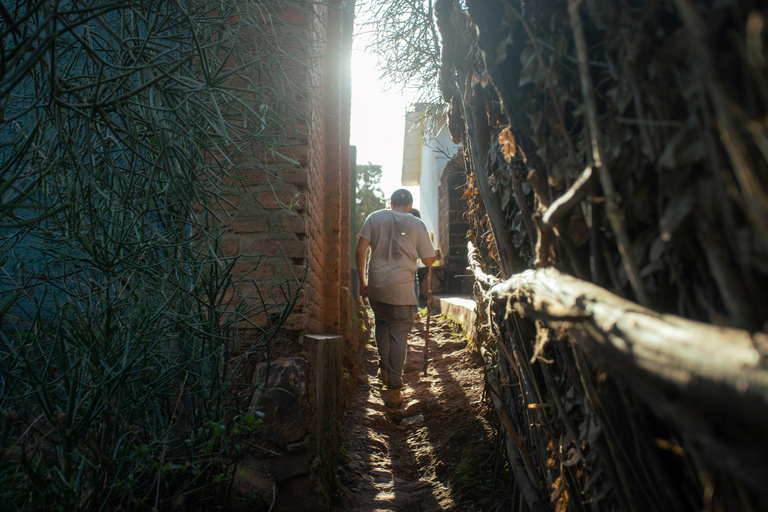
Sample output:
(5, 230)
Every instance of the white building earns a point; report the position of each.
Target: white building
(427, 149)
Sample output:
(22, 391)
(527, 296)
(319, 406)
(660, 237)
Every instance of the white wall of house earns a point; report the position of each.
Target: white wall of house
(426, 151)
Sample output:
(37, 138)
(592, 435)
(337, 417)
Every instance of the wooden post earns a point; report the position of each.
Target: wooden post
(429, 310)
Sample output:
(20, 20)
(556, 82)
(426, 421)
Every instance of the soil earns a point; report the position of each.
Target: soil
(438, 450)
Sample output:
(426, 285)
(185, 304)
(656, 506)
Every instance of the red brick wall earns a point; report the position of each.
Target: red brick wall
(332, 228)
(302, 216)
(345, 96)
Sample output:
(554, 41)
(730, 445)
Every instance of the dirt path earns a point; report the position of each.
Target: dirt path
(437, 451)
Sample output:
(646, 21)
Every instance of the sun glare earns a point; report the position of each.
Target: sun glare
(378, 120)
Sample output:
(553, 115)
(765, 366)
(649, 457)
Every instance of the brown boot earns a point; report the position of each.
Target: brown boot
(382, 375)
(393, 398)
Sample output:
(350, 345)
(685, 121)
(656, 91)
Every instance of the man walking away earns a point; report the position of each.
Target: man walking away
(397, 240)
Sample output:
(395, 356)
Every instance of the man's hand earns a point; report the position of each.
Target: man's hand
(360, 262)
(428, 262)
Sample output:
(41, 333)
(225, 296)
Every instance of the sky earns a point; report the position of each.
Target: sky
(378, 121)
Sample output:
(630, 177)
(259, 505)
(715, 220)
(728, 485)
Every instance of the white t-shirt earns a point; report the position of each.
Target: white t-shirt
(397, 240)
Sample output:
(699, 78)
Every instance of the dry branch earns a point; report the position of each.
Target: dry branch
(476, 266)
(678, 365)
(570, 199)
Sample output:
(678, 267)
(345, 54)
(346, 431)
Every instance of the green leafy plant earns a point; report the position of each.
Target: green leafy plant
(123, 382)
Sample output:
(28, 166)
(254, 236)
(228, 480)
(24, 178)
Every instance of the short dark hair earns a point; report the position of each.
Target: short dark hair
(401, 197)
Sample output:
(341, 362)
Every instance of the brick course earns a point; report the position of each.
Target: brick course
(301, 218)
(282, 200)
(230, 247)
(246, 225)
(291, 249)
(297, 224)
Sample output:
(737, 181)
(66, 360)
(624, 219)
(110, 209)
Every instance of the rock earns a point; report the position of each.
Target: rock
(298, 447)
(421, 484)
(381, 475)
(283, 400)
(286, 466)
(413, 408)
(413, 420)
(249, 482)
(440, 470)
(378, 446)
(295, 494)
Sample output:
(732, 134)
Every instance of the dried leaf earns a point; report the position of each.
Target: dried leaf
(677, 210)
(507, 143)
(620, 96)
(657, 249)
(561, 46)
(669, 446)
(578, 229)
(574, 456)
(557, 489)
(562, 503)
(536, 117)
(591, 480)
(594, 431)
(506, 197)
(542, 338)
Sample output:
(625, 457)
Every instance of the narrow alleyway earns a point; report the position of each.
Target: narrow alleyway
(437, 451)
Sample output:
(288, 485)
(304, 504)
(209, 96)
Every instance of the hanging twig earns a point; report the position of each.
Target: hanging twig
(476, 266)
(570, 199)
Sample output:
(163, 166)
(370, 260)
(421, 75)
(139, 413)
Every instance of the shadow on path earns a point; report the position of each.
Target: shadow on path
(435, 452)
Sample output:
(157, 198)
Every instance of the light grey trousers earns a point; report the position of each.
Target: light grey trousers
(393, 323)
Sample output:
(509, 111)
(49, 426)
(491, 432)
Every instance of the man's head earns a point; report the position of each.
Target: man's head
(402, 199)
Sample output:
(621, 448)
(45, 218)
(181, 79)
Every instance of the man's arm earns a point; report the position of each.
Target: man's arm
(424, 246)
(360, 254)
(428, 262)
